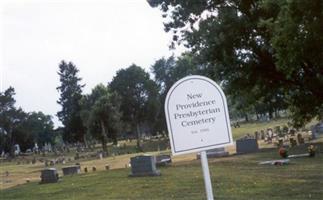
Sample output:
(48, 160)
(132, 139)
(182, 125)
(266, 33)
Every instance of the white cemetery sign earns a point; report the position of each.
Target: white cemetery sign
(197, 116)
(197, 120)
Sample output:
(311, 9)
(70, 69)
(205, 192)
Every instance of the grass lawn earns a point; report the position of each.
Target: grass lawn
(252, 127)
(235, 177)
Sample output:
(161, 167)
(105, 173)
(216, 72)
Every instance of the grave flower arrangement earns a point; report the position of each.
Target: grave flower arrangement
(283, 152)
(311, 150)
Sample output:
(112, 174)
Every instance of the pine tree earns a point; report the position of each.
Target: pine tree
(71, 94)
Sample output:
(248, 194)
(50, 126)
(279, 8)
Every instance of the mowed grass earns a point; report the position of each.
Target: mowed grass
(234, 177)
(252, 127)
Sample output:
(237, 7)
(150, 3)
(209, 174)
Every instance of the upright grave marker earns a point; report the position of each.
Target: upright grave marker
(197, 119)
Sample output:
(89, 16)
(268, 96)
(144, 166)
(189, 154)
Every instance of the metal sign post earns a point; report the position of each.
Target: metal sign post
(206, 175)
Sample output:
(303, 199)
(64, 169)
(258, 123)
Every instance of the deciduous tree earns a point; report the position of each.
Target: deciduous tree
(264, 47)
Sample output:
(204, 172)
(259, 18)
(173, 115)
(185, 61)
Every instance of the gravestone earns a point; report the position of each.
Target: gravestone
(317, 130)
(280, 142)
(292, 132)
(143, 166)
(215, 153)
(71, 170)
(257, 135)
(262, 134)
(163, 160)
(292, 142)
(300, 139)
(270, 132)
(49, 175)
(246, 145)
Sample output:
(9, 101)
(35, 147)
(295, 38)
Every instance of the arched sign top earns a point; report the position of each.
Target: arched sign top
(197, 115)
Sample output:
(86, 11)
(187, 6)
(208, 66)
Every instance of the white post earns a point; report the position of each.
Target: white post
(206, 174)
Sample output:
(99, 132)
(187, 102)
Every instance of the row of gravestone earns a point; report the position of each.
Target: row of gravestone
(50, 175)
(140, 166)
(243, 145)
(270, 133)
(147, 165)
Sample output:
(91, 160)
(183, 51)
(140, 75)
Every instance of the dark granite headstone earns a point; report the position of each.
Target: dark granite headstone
(71, 170)
(246, 145)
(143, 166)
(49, 175)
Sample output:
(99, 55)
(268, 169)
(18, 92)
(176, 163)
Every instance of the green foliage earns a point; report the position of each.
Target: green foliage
(139, 97)
(101, 114)
(36, 128)
(167, 72)
(18, 127)
(70, 96)
(269, 49)
(10, 119)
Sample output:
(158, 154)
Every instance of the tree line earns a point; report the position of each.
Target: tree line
(130, 105)
(20, 127)
(266, 55)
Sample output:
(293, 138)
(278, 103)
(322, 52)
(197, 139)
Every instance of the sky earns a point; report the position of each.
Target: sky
(98, 36)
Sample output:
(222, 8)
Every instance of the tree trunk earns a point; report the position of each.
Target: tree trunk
(138, 138)
(11, 145)
(85, 141)
(104, 137)
(246, 117)
(270, 114)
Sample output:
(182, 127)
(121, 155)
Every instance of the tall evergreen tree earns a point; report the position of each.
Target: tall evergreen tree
(70, 96)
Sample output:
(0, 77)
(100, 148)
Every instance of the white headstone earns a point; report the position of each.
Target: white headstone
(197, 115)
